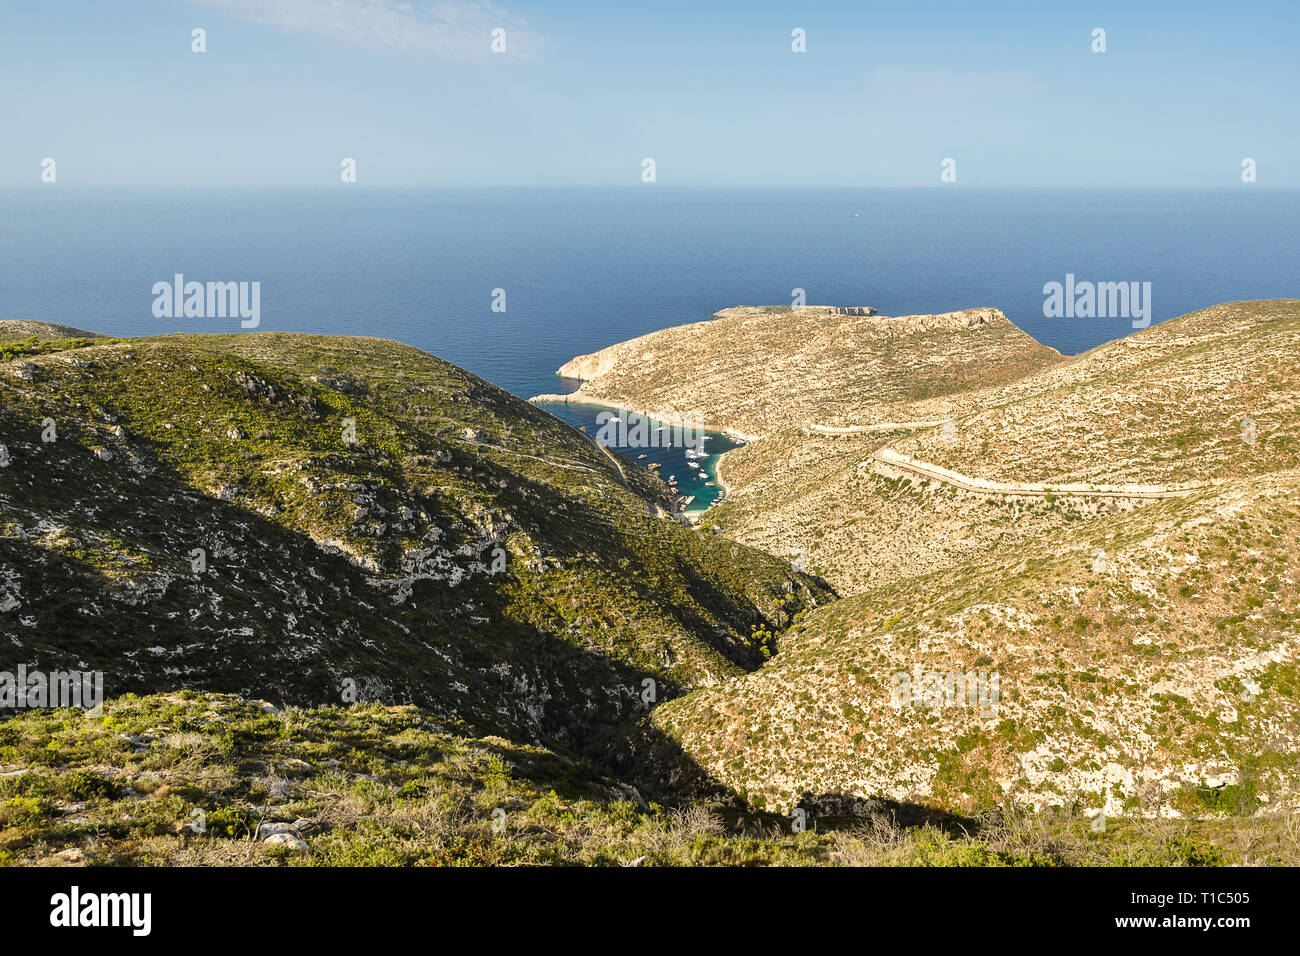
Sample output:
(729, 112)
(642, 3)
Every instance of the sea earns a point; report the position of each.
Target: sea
(511, 283)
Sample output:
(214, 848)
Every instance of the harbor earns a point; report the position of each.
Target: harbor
(690, 470)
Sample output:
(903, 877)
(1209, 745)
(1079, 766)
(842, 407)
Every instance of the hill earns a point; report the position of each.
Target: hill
(756, 370)
(297, 517)
(1170, 407)
(1112, 535)
(198, 779)
(1141, 662)
(1069, 588)
(19, 330)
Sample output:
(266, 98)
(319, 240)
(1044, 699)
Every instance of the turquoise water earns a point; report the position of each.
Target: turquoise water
(700, 483)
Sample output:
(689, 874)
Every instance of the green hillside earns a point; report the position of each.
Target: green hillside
(365, 513)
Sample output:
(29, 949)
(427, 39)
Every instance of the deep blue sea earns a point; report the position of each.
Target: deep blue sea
(584, 268)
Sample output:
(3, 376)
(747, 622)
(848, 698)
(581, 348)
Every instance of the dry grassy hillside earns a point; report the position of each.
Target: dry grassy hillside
(1146, 662)
(1115, 536)
(1193, 401)
(758, 369)
(1168, 405)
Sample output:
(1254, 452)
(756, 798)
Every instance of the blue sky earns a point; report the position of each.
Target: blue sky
(585, 91)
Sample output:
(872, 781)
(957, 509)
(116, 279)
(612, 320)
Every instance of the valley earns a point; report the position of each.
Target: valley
(398, 562)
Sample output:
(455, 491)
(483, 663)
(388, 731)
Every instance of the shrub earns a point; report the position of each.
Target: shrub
(87, 785)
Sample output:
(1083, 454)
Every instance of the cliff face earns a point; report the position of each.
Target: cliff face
(587, 367)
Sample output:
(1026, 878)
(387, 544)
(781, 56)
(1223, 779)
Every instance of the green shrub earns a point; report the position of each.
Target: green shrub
(225, 822)
(87, 785)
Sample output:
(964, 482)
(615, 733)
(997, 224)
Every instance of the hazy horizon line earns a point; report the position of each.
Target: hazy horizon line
(354, 187)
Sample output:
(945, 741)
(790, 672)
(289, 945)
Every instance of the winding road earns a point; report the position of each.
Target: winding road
(1134, 492)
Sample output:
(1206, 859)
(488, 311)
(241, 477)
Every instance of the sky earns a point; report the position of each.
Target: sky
(585, 91)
